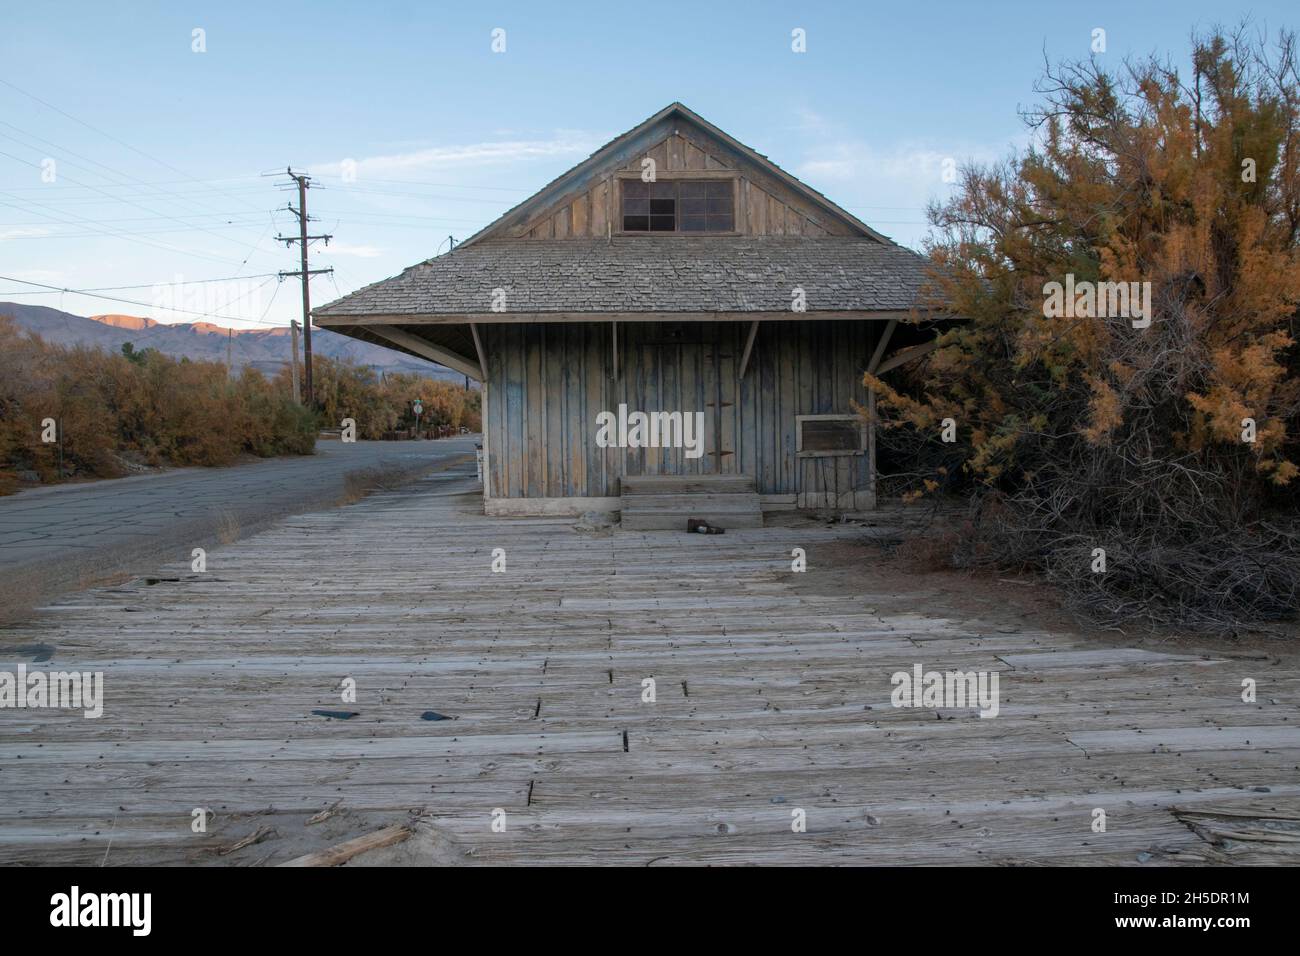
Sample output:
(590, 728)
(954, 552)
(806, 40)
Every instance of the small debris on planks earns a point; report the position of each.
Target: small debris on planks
(324, 814)
(343, 852)
(701, 526)
(336, 714)
(257, 836)
(434, 715)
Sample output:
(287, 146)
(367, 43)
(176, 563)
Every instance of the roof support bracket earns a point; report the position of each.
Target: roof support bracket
(478, 347)
(426, 349)
(749, 348)
(881, 346)
(909, 354)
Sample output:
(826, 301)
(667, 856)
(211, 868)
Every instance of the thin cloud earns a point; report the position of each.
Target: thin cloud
(39, 275)
(889, 188)
(920, 166)
(359, 251)
(847, 165)
(471, 154)
(8, 234)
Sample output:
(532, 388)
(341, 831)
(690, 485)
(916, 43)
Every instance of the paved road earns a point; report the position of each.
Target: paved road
(68, 536)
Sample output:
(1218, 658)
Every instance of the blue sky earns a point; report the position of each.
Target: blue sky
(158, 150)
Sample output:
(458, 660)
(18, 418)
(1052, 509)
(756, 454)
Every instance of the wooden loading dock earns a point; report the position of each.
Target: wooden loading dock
(773, 695)
(674, 272)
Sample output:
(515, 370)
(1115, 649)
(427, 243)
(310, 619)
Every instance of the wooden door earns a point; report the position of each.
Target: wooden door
(684, 368)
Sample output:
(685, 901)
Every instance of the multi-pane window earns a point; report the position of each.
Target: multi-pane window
(706, 205)
(649, 207)
(689, 205)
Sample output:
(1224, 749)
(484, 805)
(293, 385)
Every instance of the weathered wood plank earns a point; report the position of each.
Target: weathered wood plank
(770, 696)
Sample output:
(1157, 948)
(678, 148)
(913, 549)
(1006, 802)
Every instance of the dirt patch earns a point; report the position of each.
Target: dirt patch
(900, 571)
(366, 481)
(228, 529)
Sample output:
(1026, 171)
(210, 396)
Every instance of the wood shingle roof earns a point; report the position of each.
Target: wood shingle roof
(649, 274)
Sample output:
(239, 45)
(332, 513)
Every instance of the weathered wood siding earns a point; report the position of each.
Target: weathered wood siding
(764, 206)
(548, 382)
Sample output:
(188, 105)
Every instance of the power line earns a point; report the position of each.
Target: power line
(138, 183)
(141, 183)
(270, 221)
(166, 193)
(260, 213)
(52, 188)
(146, 305)
(134, 232)
(83, 222)
(252, 249)
(261, 320)
(101, 132)
(397, 192)
(150, 285)
(416, 182)
(115, 172)
(128, 201)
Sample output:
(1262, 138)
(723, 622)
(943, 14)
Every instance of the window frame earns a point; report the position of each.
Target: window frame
(675, 177)
(863, 438)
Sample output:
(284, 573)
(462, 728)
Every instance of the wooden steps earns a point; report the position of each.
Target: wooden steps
(665, 502)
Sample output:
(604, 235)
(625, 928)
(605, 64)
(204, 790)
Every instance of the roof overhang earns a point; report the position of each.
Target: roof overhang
(336, 322)
(454, 341)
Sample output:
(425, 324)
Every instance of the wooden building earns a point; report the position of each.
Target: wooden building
(673, 271)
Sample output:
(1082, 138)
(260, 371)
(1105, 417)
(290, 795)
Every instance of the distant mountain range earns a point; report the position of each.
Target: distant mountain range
(264, 349)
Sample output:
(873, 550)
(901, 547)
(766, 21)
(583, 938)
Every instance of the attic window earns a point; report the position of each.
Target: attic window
(697, 205)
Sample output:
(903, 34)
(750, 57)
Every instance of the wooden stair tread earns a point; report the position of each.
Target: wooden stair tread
(687, 484)
(676, 521)
(665, 502)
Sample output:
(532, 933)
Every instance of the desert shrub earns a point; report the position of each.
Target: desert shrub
(145, 404)
(1170, 447)
(345, 390)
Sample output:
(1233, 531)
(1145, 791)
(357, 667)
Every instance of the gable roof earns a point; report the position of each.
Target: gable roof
(631, 144)
(568, 278)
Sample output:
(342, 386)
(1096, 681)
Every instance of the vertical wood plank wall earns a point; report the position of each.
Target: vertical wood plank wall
(548, 382)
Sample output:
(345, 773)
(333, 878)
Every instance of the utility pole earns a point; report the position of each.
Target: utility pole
(230, 335)
(305, 273)
(293, 333)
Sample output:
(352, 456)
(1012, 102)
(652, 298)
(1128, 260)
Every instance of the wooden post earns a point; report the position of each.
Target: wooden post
(487, 461)
(873, 367)
(871, 448)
